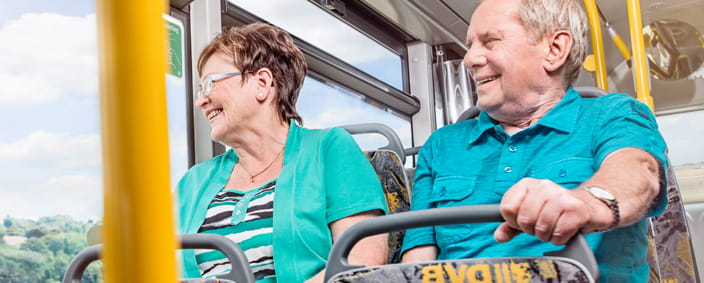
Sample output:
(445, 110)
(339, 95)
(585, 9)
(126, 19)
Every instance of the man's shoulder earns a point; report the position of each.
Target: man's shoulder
(457, 128)
(620, 104)
(457, 132)
(613, 99)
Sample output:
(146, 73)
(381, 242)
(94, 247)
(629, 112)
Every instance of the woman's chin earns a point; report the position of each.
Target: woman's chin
(216, 135)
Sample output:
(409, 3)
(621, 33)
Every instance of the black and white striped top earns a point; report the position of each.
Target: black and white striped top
(246, 219)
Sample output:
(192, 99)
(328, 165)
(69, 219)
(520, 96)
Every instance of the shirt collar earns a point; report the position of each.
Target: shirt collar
(484, 123)
(562, 117)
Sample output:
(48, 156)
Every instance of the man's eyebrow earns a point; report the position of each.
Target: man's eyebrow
(468, 42)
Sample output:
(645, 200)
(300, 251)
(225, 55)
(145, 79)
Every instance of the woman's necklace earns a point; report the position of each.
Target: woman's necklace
(252, 176)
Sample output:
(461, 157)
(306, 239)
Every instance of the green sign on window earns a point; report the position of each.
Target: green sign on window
(175, 48)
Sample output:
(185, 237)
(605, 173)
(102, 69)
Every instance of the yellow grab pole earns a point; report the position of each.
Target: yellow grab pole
(640, 67)
(618, 41)
(138, 229)
(597, 44)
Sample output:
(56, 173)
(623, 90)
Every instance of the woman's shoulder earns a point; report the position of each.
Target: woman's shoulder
(199, 170)
(323, 135)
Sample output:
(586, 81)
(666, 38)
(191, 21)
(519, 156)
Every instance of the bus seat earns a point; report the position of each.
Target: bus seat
(411, 171)
(671, 253)
(394, 142)
(575, 263)
(392, 177)
(388, 164)
(241, 272)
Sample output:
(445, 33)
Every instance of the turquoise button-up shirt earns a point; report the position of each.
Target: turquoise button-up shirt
(476, 161)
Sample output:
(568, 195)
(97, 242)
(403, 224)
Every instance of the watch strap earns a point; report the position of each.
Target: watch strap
(610, 201)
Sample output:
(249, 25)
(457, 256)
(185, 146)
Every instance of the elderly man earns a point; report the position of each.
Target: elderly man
(558, 164)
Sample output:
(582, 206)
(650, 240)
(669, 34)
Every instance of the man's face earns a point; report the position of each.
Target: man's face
(504, 61)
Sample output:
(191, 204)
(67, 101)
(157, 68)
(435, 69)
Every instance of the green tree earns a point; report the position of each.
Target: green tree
(21, 266)
(37, 245)
(52, 243)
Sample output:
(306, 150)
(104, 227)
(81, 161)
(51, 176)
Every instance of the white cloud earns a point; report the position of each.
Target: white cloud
(336, 117)
(44, 57)
(315, 26)
(74, 195)
(63, 150)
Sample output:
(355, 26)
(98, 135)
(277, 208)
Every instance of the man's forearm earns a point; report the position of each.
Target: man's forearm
(632, 176)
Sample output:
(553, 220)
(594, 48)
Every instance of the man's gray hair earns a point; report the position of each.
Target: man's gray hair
(543, 17)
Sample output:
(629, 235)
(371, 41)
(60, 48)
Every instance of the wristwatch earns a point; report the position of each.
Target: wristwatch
(610, 201)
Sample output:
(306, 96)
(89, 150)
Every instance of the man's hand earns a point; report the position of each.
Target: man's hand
(549, 211)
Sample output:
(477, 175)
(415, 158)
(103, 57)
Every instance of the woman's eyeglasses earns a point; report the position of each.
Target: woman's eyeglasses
(207, 84)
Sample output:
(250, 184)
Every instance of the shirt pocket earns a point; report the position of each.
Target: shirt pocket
(448, 192)
(569, 172)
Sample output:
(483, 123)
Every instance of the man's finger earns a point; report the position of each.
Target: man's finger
(505, 233)
(511, 202)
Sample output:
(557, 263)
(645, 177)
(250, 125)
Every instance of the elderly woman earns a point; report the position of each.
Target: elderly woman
(283, 193)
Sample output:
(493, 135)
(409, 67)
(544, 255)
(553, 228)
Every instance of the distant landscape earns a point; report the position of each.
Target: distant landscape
(39, 251)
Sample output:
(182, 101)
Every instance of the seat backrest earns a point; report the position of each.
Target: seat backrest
(388, 164)
(670, 251)
(392, 177)
(241, 271)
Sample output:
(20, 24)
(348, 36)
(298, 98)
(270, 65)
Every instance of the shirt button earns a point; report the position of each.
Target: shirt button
(443, 191)
(238, 212)
(563, 173)
(512, 148)
(508, 169)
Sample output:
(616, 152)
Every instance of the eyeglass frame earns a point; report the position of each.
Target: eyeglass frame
(211, 80)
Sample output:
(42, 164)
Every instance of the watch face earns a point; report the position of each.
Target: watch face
(600, 193)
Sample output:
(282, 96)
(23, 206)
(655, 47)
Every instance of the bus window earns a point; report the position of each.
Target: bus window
(684, 134)
(324, 105)
(319, 28)
(50, 173)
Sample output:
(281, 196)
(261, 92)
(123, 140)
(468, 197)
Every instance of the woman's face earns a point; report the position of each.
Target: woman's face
(231, 104)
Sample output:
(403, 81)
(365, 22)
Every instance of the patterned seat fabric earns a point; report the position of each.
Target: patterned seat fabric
(670, 251)
(393, 179)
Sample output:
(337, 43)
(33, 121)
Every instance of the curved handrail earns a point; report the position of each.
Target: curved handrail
(394, 144)
(240, 272)
(577, 248)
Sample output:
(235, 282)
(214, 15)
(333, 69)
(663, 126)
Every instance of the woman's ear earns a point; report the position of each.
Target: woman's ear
(264, 80)
(559, 47)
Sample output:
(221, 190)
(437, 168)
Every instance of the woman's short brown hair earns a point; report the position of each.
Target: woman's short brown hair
(260, 45)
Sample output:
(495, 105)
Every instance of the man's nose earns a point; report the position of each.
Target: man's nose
(473, 58)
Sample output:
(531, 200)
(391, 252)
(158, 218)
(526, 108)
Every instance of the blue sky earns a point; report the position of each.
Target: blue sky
(50, 137)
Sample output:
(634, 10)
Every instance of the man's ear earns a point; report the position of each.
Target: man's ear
(559, 47)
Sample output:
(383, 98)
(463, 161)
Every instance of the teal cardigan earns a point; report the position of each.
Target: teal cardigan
(325, 177)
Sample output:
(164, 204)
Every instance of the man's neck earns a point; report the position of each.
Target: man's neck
(517, 121)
